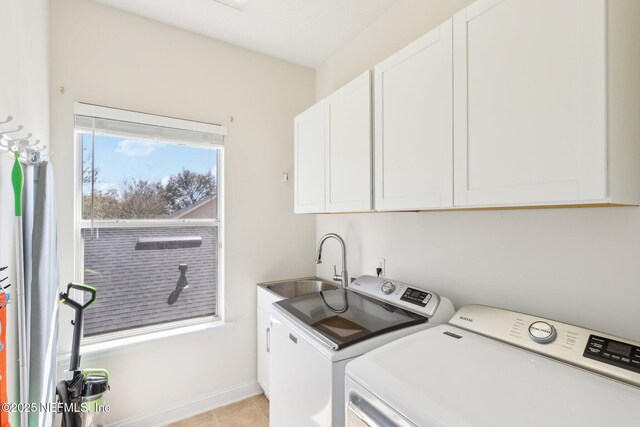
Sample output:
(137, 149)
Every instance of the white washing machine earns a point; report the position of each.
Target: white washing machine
(496, 368)
(315, 335)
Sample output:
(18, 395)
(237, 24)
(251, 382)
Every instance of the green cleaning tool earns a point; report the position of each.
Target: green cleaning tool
(82, 394)
(17, 180)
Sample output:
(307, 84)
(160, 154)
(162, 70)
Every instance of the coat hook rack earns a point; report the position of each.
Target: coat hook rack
(16, 144)
(29, 151)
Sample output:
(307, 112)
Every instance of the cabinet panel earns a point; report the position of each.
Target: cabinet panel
(348, 172)
(414, 125)
(530, 111)
(263, 342)
(309, 162)
(302, 380)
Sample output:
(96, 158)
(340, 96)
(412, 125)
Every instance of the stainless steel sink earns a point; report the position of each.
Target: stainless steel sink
(298, 287)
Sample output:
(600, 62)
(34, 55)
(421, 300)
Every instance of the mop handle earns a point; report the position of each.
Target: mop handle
(17, 179)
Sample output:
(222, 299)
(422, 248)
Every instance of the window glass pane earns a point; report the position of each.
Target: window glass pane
(142, 179)
(140, 276)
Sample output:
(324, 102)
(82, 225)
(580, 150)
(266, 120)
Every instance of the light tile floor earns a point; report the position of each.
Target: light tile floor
(251, 412)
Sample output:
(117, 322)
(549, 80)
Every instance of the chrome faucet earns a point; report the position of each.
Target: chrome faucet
(343, 278)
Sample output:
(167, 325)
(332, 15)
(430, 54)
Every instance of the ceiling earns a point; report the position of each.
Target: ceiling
(306, 32)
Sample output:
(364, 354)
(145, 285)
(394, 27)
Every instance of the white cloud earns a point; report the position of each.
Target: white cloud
(106, 186)
(132, 147)
(164, 180)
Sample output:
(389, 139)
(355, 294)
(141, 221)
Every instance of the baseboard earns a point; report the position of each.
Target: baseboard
(192, 407)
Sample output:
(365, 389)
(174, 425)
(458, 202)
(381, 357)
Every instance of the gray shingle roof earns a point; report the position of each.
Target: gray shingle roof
(133, 286)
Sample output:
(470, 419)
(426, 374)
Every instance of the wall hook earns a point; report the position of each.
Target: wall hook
(34, 156)
(9, 118)
(19, 140)
(25, 143)
(12, 131)
(35, 147)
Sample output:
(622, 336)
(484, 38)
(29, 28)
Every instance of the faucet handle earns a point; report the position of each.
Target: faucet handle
(336, 276)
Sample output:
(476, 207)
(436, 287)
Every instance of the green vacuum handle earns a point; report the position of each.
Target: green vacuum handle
(84, 288)
(17, 179)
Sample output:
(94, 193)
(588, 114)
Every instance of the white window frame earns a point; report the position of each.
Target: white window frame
(83, 109)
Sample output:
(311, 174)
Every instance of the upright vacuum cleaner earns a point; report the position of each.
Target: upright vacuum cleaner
(81, 395)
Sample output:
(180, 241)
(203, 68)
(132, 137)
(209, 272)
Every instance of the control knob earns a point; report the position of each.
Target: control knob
(542, 332)
(387, 287)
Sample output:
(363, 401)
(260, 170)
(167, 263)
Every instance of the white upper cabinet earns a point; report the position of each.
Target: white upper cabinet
(414, 125)
(530, 102)
(310, 132)
(333, 152)
(512, 103)
(348, 153)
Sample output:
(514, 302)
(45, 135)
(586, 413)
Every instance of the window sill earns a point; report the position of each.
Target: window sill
(101, 349)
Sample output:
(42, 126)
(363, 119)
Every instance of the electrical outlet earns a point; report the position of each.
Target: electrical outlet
(380, 270)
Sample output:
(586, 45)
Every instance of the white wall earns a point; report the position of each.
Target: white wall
(24, 91)
(108, 57)
(575, 265)
(24, 83)
(401, 24)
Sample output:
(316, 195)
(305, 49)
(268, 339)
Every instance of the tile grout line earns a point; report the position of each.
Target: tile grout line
(255, 402)
(263, 416)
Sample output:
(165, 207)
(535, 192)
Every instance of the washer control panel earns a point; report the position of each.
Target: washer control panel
(408, 297)
(598, 352)
(416, 296)
(612, 352)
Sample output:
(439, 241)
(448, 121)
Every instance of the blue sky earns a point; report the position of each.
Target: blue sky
(120, 159)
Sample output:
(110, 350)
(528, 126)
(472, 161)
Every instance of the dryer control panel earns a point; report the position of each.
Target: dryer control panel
(613, 352)
(595, 351)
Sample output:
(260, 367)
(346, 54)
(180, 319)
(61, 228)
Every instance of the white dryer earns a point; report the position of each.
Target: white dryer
(496, 368)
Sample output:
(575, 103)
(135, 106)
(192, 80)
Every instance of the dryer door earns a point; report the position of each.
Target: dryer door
(356, 417)
(366, 410)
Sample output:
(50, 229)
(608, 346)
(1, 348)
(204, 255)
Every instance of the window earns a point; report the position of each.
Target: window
(150, 224)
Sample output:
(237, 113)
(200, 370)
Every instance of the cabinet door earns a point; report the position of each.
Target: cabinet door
(302, 381)
(264, 331)
(348, 171)
(530, 102)
(309, 159)
(414, 125)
